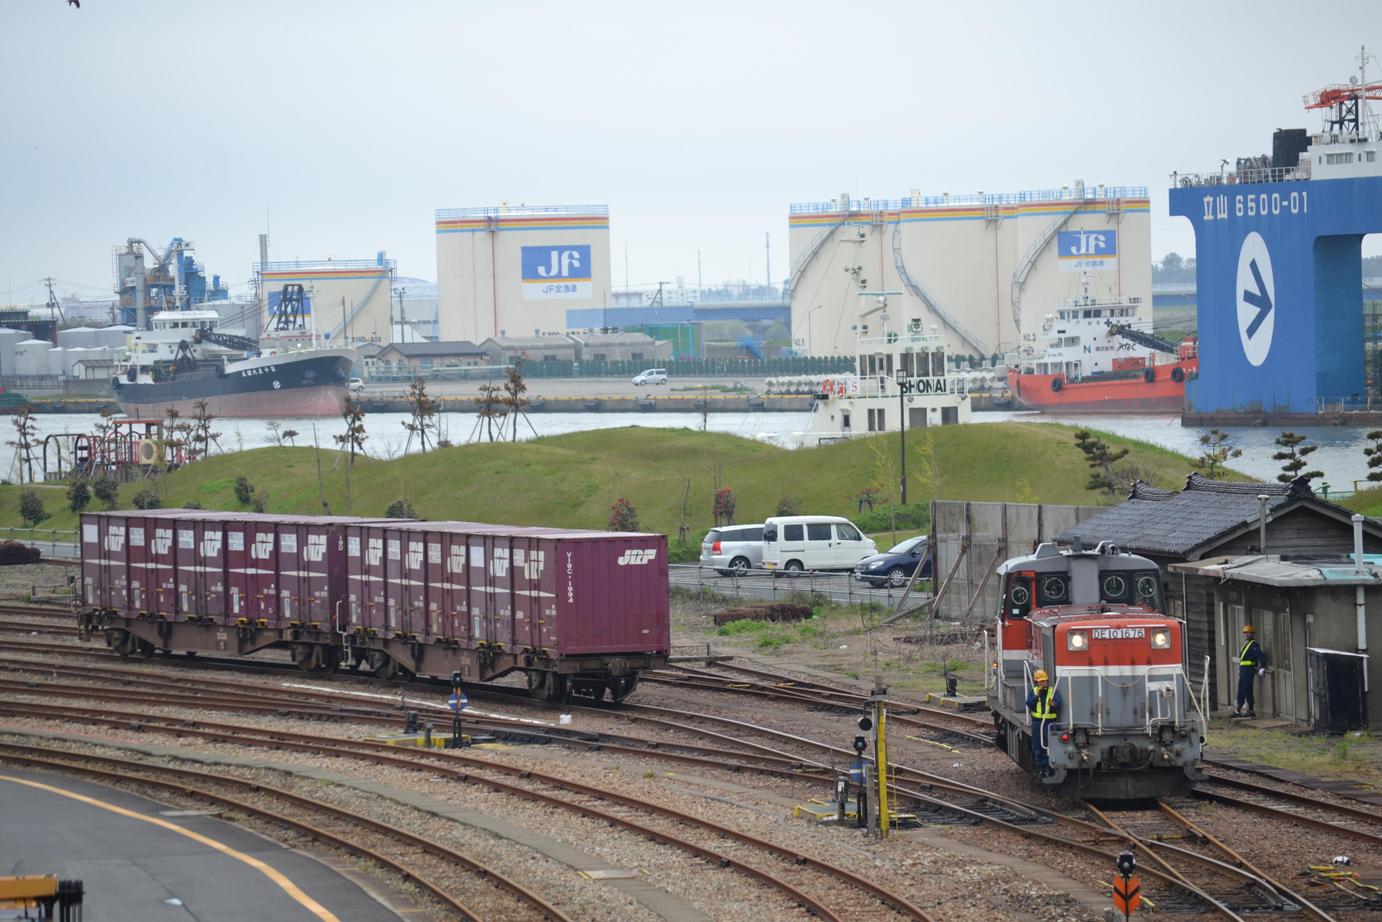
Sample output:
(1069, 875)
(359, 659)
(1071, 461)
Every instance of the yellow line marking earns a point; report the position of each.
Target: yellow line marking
(288, 887)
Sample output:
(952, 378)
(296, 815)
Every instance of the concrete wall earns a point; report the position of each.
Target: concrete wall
(349, 296)
(969, 540)
(965, 254)
(496, 277)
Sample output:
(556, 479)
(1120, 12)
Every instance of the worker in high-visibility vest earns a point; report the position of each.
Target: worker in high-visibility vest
(1252, 662)
(1043, 704)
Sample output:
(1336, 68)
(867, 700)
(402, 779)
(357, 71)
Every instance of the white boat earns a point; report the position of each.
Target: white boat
(901, 380)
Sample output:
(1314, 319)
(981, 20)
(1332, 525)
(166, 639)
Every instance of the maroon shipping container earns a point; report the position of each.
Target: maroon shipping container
(564, 593)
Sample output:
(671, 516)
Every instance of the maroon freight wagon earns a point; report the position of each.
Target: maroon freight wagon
(576, 611)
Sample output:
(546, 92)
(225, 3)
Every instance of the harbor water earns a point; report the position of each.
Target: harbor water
(1340, 454)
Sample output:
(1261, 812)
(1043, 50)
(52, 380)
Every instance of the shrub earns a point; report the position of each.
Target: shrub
(147, 498)
(724, 506)
(623, 516)
(400, 509)
(192, 504)
(244, 490)
(31, 508)
(788, 505)
(17, 552)
(259, 501)
(78, 495)
(107, 491)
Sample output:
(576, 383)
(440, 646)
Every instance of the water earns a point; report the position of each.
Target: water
(1340, 454)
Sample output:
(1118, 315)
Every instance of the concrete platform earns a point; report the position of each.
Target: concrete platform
(134, 866)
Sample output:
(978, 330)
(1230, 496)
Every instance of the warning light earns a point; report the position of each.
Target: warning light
(1126, 863)
(860, 744)
(1065, 737)
(866, 723)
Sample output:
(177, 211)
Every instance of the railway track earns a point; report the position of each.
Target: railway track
(412, 858)
(791, 866)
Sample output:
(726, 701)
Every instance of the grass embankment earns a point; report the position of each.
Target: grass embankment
(571, 480)
(1352, 756)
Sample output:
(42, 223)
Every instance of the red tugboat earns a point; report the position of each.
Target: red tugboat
(1095, 361)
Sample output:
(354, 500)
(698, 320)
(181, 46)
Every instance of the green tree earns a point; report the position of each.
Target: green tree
(244, 490)
(1172, 262)
(107, 491)
(1215, 450)
(1294, 450)
(1100, 458)
(422, 416)
(1374, 453)
(31, 508)
(78, 495)
(400, 509)
(147, 498)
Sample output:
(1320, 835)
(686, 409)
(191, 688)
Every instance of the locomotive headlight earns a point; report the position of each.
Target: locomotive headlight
(1077, 641)
(1161, 640)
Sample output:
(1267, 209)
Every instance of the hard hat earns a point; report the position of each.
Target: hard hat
(1040, 675)
(1249, 629)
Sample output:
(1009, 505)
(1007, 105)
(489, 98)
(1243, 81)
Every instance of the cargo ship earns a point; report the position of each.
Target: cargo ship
(1095, 360)
(183, 360)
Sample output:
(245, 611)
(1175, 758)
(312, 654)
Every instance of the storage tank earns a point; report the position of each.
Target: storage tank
(8, 340)
(74, 355)
(75, 337)
(31, 358)
(57, 361)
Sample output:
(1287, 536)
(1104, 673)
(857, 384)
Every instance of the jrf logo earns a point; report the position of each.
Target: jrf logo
(532, 568)
(414, 555)
(115, 538)
(455, 562)
(263, 547)
(499, 563)
(374, 551)
(211, 545)
(636, 558)
(163, 540)
(316, 548)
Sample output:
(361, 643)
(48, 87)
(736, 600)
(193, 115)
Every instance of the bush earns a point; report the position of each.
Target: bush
(107, 491)
(259, 501)
(78, 495)
(192, 504)
(723, 506)
(788, 505)
(147, 498)
(400, 509)
(915, 519)
(244, 490)
(623, 516)
(31, 508)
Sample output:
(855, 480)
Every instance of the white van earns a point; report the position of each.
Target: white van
(792, 543)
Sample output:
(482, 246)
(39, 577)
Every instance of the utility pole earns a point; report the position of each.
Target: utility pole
(53, 306)
(401, 293)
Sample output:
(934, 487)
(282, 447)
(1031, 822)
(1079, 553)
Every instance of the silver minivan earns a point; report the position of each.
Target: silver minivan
(650, 376)
(733, 550)
(792, 543)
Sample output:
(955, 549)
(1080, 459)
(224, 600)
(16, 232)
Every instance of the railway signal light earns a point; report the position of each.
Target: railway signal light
(866, 723)
(860, 744)
(1126, 863)
(1127, 890)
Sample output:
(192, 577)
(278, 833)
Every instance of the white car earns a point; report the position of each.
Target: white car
(650, 376)
(356, 385)
(793, 543)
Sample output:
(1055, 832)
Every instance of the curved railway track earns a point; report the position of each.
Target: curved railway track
(343, 829)
(482, 772)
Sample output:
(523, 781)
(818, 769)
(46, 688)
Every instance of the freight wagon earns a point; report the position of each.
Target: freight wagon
(577, 612)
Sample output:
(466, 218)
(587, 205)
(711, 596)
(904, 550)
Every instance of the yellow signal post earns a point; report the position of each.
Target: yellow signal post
(880, 716)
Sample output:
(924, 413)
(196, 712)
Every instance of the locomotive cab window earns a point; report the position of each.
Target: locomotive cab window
(1017, 597)
(1052, 589)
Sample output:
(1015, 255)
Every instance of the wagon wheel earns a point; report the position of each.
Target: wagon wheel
(305, 656)
(392, 670)
(537, 683)
(621, 686)
(122, 642)
(328, 659)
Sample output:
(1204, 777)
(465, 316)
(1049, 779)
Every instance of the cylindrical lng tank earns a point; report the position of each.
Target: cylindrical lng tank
(76, 337)
(8, 340)
(57, 361)
(72, 356)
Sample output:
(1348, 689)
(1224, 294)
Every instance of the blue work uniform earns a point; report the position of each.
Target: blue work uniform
(1250, 659)
(1043, 704)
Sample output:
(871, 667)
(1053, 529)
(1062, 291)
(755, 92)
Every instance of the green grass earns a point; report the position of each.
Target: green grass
(571, 480)
(1354, 756)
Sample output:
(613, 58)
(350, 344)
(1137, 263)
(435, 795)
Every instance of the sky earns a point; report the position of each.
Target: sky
(339, 126)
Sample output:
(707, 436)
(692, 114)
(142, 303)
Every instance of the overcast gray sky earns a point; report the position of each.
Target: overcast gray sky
(348, 122)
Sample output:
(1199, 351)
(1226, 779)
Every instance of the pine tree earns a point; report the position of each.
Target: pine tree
(1101, 459)
(1294, 449)
(1374, 453)
(1214, 451)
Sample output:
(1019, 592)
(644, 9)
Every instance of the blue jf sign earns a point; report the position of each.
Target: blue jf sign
(1082, 250)
(556, 271)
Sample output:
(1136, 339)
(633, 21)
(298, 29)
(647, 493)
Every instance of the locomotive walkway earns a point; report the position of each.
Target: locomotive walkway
(137, 861)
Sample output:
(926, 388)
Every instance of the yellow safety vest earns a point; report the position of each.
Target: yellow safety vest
(1043, 710)
(1243, 656)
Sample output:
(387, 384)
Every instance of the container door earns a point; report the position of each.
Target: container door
(394, 590)
(292, 591)
(438, 593)
(357, 581)
(211, 579)
(414, 583)
(456, 600)
(501, 567)
(141, 593)
(161, 558)
(94, 565)
(263, 572)
(528, 562)
(186, 573)
(477, 590)
(238, 582)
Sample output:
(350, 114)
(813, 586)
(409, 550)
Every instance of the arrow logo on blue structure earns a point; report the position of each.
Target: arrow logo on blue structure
(1256, 299)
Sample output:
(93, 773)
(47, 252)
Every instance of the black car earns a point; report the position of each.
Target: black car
(894, 567)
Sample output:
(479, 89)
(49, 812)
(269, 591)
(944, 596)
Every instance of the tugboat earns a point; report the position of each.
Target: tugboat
(183, 359)
(898, 373)
(1096, 361)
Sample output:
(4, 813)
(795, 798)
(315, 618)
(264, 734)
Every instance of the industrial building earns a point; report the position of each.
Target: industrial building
(982, 269)
(518, 271)
(350, 300)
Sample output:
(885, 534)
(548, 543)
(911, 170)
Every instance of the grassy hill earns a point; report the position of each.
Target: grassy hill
(571, 480)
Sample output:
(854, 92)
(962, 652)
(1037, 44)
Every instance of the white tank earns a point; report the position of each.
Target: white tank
(73, 355)
(57, 361)
(31, 358)
(74, 337)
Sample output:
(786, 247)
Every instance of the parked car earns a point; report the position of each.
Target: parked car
(895, 566)
(733, 550)
(356, 385)
(650, 376)
(793, 543)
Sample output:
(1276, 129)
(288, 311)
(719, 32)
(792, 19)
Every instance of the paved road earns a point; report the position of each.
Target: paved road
(838, 587)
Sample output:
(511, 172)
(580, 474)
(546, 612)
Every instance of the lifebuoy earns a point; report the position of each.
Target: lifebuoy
(1149, 375)
(149, 451)
(1056, 385)
(1178, 375)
